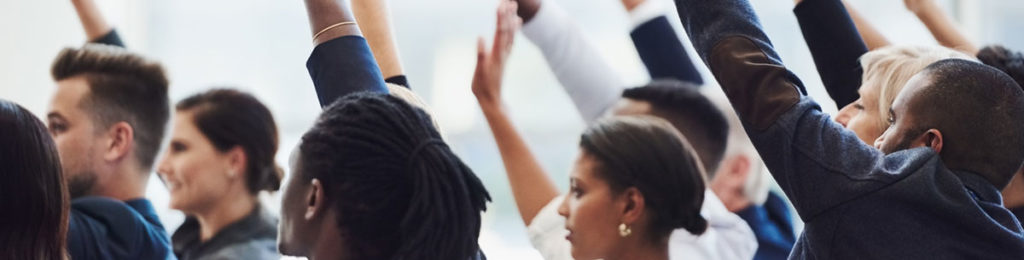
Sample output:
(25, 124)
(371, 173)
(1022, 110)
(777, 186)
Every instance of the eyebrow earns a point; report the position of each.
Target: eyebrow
(56, 115)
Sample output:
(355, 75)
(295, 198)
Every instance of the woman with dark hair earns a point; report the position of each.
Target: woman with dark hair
(636, 173)
(373, 180)
(34, 222)
(220, 157)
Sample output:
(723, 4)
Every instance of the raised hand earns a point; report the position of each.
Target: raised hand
(92, 20)
(490, 64)
(917, 6)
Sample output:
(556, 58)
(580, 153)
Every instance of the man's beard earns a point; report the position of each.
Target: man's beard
(81, 184)
(904, 143)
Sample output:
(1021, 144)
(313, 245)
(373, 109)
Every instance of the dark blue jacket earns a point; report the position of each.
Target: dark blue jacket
(343, 66)
(835, 46)
(104, 228)
(856, 202)
(662, 53)
(773, 227)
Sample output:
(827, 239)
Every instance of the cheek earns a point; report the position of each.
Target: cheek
(866, 127)
(594, 226)
(194, 181)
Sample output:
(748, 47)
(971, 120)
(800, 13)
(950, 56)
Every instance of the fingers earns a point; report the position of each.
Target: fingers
(507, 25)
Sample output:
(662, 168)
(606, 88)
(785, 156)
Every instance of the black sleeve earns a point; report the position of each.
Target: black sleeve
(111, 38)
(835, 45)
(400, 80)
(662, 52)
(343, 66)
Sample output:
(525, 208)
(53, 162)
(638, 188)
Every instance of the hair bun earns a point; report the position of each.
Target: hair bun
(272, 180)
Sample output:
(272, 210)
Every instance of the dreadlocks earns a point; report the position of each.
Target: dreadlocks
(402, 193)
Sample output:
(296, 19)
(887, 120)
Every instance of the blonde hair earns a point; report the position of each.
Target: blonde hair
(892, 66)
(410, 97)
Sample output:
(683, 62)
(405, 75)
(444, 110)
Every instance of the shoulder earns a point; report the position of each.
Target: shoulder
(256, 249)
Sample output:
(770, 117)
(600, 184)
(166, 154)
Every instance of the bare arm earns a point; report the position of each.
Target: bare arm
(940, 25)
(531, 186)
(374, 19)
(871, 36)
(92, 20)
(326, 13)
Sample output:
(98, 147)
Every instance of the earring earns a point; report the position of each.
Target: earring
(624, 230)
(231, 174)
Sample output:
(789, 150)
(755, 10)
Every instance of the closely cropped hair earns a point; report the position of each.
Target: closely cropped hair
(891, 67)
(124, 87)
(401, 193)
(33, 194)
(231, 118)
(1010, 62)
(978, 109)
(683, 105)
(647, 152)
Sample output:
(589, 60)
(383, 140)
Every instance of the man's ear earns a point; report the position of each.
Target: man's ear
(634, 205)
(933, 139)
(315, 205)
(120, 143)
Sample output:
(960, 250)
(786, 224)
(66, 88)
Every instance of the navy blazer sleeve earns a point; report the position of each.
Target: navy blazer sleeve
(662, 52)
(835, 45)
(343, 66)
(111, 38)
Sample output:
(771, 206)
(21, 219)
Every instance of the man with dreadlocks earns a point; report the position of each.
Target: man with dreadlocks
(372, 179)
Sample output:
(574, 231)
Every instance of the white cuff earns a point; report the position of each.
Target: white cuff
(646, 11)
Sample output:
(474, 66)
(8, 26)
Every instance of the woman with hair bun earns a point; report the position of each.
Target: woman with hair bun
(220, 157)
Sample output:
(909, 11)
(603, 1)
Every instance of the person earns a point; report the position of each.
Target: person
(592, 84)
(414, 199)
(33, 192)
(862, 83)
(398, 192)
(929, 188)
(537, 198)
(825, 24)
(107, 119)
(220, 156)
(639, 174)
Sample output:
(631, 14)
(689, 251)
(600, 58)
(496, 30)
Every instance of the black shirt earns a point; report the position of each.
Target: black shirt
(253, 237)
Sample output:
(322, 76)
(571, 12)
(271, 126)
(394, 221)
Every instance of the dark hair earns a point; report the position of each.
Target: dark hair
(401, 192)
(33, 195)
(231, 118)
(690, 112)
(646, 152)
(124, 87)
(978, 109)
(1011, 63)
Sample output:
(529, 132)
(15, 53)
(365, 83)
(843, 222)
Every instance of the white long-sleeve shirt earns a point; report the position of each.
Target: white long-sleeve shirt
(727, 236)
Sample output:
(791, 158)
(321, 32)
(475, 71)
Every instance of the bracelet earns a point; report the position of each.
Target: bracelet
(331, 27)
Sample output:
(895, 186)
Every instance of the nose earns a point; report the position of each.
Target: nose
(845, 114)
(563, 209)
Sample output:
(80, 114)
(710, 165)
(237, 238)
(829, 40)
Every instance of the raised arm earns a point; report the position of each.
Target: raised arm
(374, 19)
(658, 44)
(97, 30)
(816, 162)
(835, 47)
(872, 37)
(941, 26)
(591, 82)
(341, 62)
(531, 186)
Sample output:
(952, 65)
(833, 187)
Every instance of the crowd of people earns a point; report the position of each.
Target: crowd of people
(923, 160)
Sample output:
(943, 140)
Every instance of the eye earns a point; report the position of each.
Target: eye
(858, 107)
(177, 147)
(575, 190)
(892, 117)
(56, 128)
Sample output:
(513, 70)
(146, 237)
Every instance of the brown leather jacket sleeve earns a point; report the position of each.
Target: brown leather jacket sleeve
(759, 89)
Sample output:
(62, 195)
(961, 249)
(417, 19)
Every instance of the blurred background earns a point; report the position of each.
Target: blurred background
(261, 46)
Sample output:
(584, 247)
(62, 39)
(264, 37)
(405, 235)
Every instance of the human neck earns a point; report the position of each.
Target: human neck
(1013, 194)
(124, 183)
(641, 248)
(229, 209)
(329, 244)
